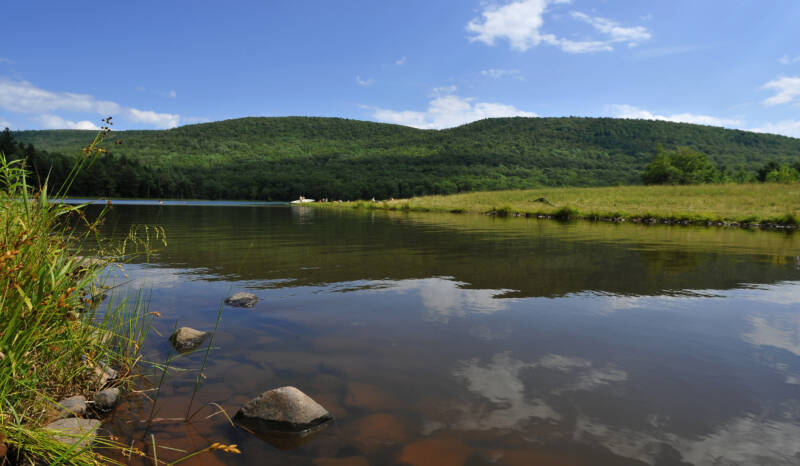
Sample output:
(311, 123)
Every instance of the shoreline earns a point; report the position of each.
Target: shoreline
(771, 207)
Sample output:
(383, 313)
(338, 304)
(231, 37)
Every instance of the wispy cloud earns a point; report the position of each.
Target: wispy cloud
(4, 124)
(446, 111)
(787, 60)
(521, 23)
(629, 111)
(24, 97)
(787, 88)
(173, 94)
(501, 73)
(191, 119)
(785, 127)
(659, 52)
(5, 60)
(364, 82)
(400, 61)
(612, 29)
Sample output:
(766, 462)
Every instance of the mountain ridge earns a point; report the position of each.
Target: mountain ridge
(282, 157)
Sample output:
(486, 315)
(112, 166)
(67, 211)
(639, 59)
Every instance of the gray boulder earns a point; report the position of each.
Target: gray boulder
(242, 300)
(103, 374)
(73, 406)
(187, 339)
(106, 399)
(74, 431)
(284, 409)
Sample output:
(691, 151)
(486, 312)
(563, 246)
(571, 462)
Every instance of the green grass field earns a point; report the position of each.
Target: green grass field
(742, 203)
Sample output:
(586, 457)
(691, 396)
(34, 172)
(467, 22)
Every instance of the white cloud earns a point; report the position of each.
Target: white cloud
(364, 82)
(786, 128)
(447, 111)
(500, 73)
(159, 120)
(521, 24)
(629, 111)
(515, 403)
(400, 62)
(787, 88)
(56, 122)
(4, 124)
(742, 440)
(444, 299)
(518, 22)
(778, 331)
(616, 33)
(787, 60)
(24, 97)
(173, 94)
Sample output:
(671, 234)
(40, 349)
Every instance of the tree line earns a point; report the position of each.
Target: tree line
(282, 158)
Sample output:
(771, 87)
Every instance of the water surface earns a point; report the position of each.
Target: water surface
(450, 339)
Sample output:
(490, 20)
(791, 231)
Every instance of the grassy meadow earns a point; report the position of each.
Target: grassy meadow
(741, 203)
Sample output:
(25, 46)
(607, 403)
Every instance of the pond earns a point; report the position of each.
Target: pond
(459, 339)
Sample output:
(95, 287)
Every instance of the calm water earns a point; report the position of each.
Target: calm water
(449, 340)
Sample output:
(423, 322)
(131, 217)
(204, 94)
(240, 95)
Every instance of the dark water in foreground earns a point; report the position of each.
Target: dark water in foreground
(450, 340)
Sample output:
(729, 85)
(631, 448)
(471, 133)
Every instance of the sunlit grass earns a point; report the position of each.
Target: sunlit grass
(743, 203)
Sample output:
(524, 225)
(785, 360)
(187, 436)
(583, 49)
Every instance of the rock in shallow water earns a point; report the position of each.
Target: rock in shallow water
(74, 431)
(72, 407)
(106, 399)
(284, 409)
(242, 300)
(186, 339)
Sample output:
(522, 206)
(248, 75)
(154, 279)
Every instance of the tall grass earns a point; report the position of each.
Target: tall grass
(52, 338)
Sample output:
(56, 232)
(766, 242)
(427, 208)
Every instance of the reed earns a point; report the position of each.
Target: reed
(53, 335)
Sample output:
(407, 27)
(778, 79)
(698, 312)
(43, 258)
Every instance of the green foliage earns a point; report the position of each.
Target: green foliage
(681, 166)
(783, 174)
(566, 213)
(282, 158)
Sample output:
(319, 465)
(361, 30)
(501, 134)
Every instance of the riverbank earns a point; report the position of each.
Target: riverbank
(740, 205)
(64, 357)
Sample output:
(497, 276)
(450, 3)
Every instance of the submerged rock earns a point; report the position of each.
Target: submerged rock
(72, 407)
(284, 409)
(284, 440)
(242, 300)
(106, 399)
(74, 431)
(186, 339)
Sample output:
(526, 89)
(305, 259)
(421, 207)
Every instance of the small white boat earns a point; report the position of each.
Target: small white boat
(301, 201)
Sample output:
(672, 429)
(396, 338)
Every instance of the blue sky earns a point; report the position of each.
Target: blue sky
(429, 64)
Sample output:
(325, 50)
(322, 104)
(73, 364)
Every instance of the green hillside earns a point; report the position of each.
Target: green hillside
(281, 158)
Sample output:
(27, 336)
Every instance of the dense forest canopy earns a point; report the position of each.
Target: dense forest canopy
(283, 157)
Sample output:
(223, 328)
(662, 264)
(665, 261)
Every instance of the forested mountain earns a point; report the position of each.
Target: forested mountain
(283, 157)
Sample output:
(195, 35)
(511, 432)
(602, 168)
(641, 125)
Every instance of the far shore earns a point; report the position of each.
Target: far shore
(767, 206)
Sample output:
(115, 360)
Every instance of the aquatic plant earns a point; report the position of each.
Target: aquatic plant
(54, 340)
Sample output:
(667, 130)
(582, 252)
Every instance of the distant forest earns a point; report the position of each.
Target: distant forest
(283, 158)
